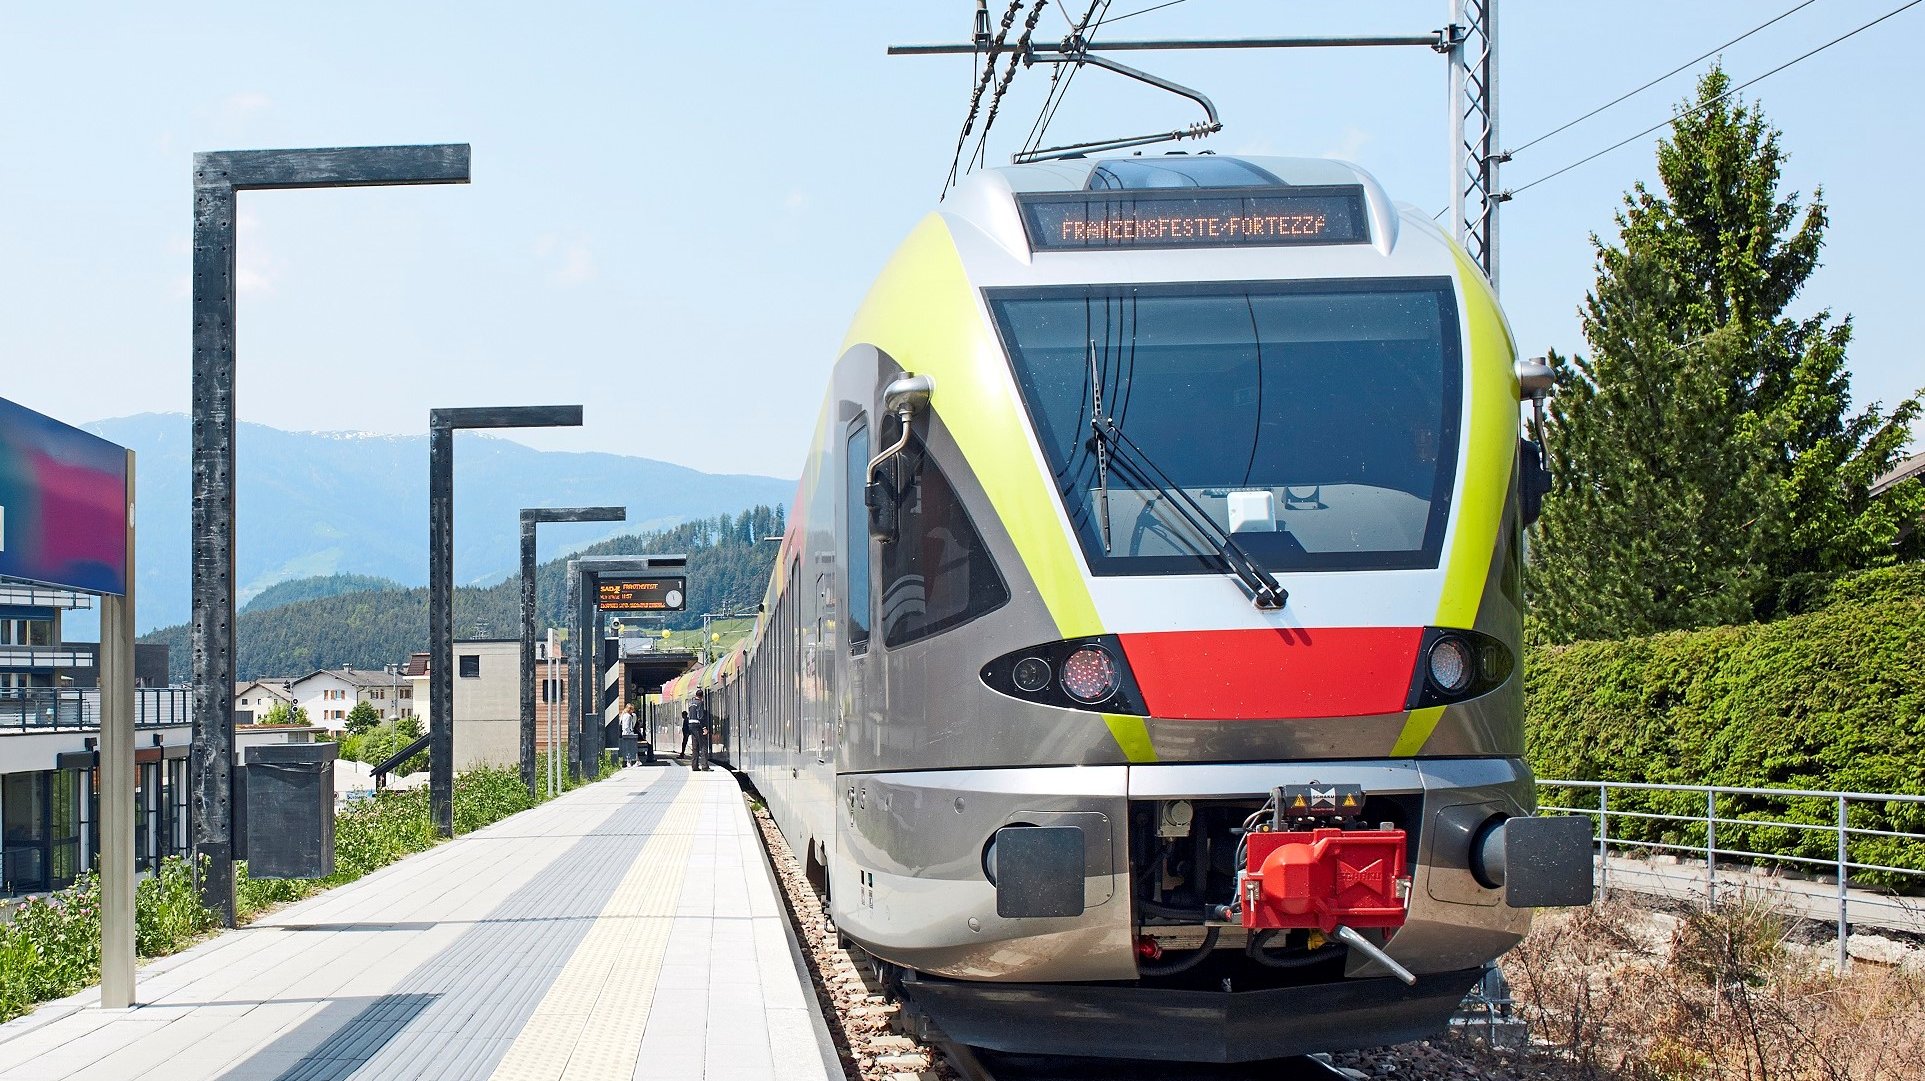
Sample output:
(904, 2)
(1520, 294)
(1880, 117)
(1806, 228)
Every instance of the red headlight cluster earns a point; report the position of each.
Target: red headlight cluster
(1089, 675)
(1076, 673)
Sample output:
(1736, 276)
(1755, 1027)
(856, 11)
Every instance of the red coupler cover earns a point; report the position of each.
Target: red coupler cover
(1323, 878)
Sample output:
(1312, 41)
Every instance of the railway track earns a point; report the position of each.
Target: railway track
(976, 1064)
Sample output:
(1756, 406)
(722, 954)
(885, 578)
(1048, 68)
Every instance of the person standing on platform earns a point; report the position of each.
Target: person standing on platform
(701, 734)
(688, 731)
(627, 722)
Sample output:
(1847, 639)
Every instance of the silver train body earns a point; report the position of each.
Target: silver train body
(1004, 617)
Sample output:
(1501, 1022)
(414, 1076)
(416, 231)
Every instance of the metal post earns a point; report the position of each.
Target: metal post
(528, 652)
(117, 808)
(1711, 845)
(441, 580)
(575, 638)
(1844, 895)
(1475, 154)
(1603, 839)
(530, 517)
(218, 177)
(441, 586)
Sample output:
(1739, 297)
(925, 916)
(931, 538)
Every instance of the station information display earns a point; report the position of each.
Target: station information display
(657, 594)
(1195, 218)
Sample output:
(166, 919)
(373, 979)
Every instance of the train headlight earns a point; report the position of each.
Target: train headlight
(1089, 675)
(1450, 664)
(1031, 674)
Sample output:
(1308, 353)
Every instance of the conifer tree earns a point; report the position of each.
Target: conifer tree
(1707, 465)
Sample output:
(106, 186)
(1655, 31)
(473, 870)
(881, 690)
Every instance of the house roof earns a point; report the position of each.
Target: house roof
(417, 665)
(353, 676)
(275, 685)
(1905, 470)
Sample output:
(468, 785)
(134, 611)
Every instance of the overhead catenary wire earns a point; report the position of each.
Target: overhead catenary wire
(1058, 85)
(1016, 55)
(1587, 159)
(1133, 14)
(976, 98)
(1629, 94)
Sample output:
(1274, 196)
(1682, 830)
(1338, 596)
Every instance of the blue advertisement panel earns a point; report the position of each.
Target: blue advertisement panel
(63, 504)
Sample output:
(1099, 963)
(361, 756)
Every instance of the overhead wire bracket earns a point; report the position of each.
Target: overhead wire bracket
(1075, 51)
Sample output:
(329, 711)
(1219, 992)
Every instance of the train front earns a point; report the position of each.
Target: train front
(1241, 767)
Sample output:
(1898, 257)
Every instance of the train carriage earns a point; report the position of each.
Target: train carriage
(1139, 671)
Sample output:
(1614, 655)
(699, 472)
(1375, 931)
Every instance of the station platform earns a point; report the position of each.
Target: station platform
(628, 929)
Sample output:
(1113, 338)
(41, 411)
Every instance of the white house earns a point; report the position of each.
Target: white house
(255, 697)
(329, 693)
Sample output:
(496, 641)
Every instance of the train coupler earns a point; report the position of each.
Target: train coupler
(1324, 878)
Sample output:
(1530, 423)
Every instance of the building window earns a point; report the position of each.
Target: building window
(470, 666)
(26, 632)
(405, 692)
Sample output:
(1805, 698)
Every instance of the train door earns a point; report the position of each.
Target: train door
(856, 602)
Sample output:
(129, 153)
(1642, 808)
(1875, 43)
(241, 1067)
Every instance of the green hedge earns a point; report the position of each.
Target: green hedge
(50, 946)
(1833, 699)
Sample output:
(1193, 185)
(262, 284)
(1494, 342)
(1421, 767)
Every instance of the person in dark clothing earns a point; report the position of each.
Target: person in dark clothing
(688, 732)
(701, 734)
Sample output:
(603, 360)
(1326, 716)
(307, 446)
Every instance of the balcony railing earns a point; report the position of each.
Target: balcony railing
(37, 710)
(44, 657)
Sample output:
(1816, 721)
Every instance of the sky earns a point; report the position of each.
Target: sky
(676, 210)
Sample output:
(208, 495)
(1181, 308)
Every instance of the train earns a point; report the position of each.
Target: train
(1139, 675)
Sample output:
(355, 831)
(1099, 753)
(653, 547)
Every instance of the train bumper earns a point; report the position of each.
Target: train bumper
(910, 882)
(1188, 1026)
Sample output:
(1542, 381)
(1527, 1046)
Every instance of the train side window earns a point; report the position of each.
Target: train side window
(855, 523)
(936, 573)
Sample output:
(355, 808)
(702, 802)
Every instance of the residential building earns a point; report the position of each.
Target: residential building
(487, 699)
(49, 730)
(257, 696)
(328, 694)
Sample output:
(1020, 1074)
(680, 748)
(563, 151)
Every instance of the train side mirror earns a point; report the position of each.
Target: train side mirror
(1535, 380)
(905, 396)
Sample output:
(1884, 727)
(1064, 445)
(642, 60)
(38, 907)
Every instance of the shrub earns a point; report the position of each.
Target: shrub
(1834, 699)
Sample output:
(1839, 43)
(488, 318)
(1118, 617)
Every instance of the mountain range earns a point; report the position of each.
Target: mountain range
(326, 503)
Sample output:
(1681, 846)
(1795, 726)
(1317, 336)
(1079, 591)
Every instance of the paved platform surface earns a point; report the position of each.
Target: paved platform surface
(629, 929)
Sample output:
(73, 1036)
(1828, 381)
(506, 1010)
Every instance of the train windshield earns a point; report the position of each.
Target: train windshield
(1316, 422)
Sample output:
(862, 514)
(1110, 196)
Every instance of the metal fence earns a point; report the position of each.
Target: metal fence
(1850, 855)
(38, 709)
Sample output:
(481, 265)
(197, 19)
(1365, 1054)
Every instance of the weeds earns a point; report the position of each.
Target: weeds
(1721, 995)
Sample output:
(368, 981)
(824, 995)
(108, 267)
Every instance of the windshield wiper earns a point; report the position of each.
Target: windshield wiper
(1265, 591)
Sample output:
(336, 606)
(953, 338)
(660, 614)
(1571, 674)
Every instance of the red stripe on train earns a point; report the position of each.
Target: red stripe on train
(1273, 673)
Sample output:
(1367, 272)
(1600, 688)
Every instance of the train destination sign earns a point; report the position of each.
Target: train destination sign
(659, 594)
(1193, 218)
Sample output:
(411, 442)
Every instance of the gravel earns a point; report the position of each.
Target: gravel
(874, 1045)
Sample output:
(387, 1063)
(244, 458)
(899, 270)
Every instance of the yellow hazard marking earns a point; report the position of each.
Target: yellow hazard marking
(590, 1023)
(1490, 455)
(1417, 731)
(923, 311)
(1133, 735)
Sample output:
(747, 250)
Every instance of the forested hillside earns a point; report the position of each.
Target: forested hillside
(728, 568)
(307, 589)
